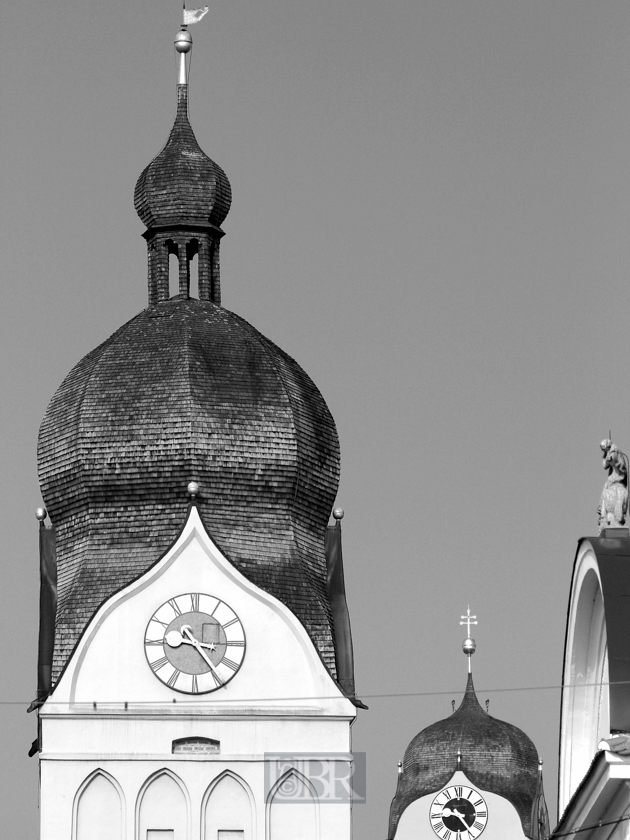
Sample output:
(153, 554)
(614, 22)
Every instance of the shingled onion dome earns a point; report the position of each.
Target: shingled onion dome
(182, 185)
(495, 756)
(188, 391)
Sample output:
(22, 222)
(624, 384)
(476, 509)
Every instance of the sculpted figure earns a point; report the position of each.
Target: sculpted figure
(613, 507)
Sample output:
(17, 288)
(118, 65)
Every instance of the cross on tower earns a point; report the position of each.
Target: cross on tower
(468, 620)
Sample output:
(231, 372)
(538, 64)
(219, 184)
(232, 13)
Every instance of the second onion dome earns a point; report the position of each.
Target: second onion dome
(467, 775)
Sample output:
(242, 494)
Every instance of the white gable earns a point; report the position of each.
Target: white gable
(281, 666)
(503, 821)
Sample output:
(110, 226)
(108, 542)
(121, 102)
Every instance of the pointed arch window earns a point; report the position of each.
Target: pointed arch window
(228, 809)
(162, 810)
(98, 809)
(293, 809)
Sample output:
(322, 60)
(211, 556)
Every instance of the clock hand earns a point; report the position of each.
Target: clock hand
(461, 819)
(452, 812)
(187, 632)
(174, 639)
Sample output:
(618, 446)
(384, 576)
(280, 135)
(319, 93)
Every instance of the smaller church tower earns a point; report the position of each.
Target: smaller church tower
(469, 775)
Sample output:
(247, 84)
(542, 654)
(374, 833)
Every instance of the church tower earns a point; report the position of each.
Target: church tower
(469, 776)
(195, 650)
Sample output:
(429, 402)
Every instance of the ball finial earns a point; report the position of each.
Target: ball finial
(183, 41)
(469, 646)
(338, 513)
(40, 514)
(193, 489)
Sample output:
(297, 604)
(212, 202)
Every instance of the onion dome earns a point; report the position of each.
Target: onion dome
(188, 391)
(495, 756)
(182, 185)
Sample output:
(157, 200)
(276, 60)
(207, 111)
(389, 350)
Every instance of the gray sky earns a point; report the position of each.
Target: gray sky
(431, 214)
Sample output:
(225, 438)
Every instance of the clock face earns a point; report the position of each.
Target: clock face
(195, 643)
(458, 813)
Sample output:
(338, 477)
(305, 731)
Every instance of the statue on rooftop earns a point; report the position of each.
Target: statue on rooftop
(613, 508)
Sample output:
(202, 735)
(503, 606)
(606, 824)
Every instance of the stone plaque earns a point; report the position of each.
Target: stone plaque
(196, 746)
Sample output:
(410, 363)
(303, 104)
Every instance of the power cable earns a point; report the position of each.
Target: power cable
(386, 695)
(600, 824)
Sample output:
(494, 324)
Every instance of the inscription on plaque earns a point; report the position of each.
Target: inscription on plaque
(196, 746)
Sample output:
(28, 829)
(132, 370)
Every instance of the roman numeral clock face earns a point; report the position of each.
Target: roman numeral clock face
(195, 643)
(458, 813)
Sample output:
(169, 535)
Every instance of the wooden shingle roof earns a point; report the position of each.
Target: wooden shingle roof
(188, 391)
(182, 185)
(496, 756)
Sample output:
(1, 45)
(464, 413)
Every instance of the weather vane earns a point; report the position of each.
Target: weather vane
(193, 15)
(469, 646)
(183, 41)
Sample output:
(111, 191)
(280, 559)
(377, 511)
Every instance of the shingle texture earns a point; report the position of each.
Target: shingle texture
(188, 391)
(182, 186)
(496, 756)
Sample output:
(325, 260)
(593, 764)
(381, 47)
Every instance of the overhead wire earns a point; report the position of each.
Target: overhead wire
(599, 824)
(298, 698)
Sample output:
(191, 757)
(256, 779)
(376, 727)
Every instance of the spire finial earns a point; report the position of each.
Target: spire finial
(183, 45)
(469, 646)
